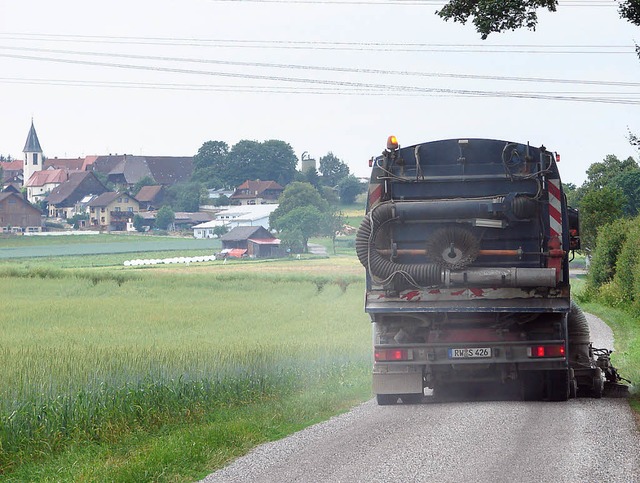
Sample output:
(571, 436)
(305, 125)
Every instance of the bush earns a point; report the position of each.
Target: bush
(611, 238)
(627, 262)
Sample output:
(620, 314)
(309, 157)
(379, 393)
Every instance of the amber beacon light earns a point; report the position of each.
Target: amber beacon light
(392, 143)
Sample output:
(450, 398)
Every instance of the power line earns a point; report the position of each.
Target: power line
(250, 88)
(329, 68)
(343, 84)
(330, 45)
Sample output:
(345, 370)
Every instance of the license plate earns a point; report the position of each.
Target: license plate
(470, 353)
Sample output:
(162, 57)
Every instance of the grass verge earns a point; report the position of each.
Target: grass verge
(626, 330)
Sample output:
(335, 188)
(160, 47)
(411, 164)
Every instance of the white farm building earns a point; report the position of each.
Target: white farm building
(246, 215)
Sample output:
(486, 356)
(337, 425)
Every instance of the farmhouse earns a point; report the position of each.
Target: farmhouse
(256, 193)
(63, 199)
(112, 211)
(17, 215)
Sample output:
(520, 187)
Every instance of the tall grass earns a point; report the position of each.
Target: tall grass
(83, 361)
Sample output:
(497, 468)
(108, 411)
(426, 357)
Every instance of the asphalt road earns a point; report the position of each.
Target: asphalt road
(482, 439)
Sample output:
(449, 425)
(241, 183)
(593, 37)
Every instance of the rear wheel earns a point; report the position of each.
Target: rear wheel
(532, 386)
(598, 383)
(387, 399)
(411, 398)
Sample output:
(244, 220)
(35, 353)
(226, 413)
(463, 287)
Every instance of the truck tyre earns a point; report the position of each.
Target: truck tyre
(557, 383)
(411, 398)
(532, 386)
(598, 383)
(386, 399)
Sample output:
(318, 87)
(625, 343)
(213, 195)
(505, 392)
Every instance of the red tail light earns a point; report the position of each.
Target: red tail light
(391, 355)
(546, 351)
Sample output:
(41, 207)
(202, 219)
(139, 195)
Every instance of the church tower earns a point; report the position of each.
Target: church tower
(33, 160)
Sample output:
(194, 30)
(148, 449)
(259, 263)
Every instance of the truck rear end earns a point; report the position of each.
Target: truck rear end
(466, 247)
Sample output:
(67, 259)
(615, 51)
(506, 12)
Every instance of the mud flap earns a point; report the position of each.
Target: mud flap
(405, 383)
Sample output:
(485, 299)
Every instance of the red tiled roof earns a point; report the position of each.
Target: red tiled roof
(15, 165)
(255, 189)
(148, 193)
(48, 176)
(88, 162)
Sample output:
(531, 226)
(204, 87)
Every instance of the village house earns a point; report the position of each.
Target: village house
(63, 200)
(41, 183)
(151, 197)
(17, 215)
(113, 211)
(256, 193)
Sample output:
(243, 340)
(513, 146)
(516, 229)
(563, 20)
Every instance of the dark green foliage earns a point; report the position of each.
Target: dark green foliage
(165, 218)
(348, 188)
(302, 210)
(292, 241)
(311, 176)
(186, 196)
(138, 223)
(221, 200)
(496, 16)
(630, 10)
(597, 208)
(611, 238)
(333, 169)
(211, 164)
(220, 230)
(627, 264)
(492, 16)
(270, 160)
(218, 167)
(307, 220)
(629, 182)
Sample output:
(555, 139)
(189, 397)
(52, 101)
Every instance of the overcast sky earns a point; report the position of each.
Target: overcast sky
(162, 77)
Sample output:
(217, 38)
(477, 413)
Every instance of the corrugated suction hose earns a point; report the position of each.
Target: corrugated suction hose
(421, 273)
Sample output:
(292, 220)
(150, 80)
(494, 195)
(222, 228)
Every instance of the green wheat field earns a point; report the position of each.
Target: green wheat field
(93, 358)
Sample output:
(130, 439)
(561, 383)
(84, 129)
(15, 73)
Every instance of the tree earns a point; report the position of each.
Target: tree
(599, 207)
(491, 16)
(165, 218)
(601, 174)
(211, 164)
(311, 176)
(301, 208)
(220, 230)
(629, 183)
(298, 194)
(138, 222)
(186, 196)
(333, 169)
(271, 160)
(307, 220)
(349, 188)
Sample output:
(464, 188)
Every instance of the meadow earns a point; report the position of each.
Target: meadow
(165, 373)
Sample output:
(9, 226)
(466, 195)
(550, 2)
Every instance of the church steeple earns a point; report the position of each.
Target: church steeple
(32, 154)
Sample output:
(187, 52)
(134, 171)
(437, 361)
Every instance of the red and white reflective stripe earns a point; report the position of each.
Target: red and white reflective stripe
(555, 208)
(375, 193)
